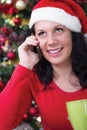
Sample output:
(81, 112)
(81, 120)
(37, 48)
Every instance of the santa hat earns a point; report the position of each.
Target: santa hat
(65, 12)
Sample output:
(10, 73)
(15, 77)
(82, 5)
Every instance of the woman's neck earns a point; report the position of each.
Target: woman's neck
(62, 70)
(61, 75)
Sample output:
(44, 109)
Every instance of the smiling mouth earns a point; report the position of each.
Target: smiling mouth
(55, 51)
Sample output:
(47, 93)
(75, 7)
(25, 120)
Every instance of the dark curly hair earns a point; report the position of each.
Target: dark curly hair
(44, 69)
(79, 58)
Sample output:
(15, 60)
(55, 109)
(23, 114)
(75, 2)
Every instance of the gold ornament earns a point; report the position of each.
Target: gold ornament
(2, 1)
(8, 1)
(20, 5)
(25, 22)
(6, 47)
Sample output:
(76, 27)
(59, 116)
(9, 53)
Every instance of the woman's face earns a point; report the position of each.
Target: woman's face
(55, 41)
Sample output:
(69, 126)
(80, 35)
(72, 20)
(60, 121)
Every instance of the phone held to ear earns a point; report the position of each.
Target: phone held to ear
(38, 51)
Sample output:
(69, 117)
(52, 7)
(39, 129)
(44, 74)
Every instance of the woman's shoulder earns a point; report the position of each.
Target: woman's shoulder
(31, 76)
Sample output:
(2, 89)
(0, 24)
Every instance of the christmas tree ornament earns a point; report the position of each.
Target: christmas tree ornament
(26, 116)
(17, 21)
(11, 22)
(33, 111)
(2, 1)
(5, 48)
(2, 40)
(8, 1)
(38, 119)
(11, 55)
(24, 22)
(20, 5)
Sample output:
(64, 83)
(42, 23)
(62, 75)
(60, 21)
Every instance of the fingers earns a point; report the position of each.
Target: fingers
(27, 57)
(28, 44)
(30, 41)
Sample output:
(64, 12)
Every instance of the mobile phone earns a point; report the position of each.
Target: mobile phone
(38, 51)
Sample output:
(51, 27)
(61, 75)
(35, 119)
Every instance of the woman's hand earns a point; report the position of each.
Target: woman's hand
(27, 57)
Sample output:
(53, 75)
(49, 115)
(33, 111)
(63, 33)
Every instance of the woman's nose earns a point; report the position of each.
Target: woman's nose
(51, 40)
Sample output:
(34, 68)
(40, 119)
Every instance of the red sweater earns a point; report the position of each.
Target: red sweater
(17, 96)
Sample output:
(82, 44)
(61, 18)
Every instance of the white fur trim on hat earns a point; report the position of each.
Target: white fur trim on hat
(55, 15)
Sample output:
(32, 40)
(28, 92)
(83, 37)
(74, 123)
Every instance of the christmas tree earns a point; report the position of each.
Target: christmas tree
(14, 19)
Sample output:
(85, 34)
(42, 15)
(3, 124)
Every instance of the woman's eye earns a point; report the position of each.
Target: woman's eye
(59, 29)
(41, 34)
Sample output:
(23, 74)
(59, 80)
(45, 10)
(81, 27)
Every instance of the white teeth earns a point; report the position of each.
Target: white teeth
(54, 51)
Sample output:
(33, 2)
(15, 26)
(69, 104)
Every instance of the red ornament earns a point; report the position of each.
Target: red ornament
(8, 8)
(26, 116)
(17, 21)
(2, 40)
(1, 86)
(33, 111)
(11, 55)
(5, 30)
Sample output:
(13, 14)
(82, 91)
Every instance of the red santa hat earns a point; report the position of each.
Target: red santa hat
(65, 12)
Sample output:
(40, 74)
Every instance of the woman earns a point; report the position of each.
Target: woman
(58, 75)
